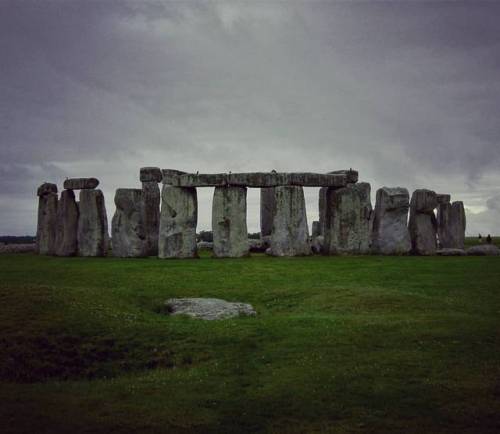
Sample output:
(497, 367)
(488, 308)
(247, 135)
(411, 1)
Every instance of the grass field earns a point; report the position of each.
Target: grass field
(340, 344)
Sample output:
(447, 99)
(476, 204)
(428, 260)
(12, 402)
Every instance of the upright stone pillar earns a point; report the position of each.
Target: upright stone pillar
(267, 211)
(129, 234)
(347, 220)
(93, 234)
(390, 234)
(67, 225)
(322, 209)
(150, 177)
(229, 222)
(451, 225)
(422, 224)
(290, 235)
(178, 219)
(47, 219)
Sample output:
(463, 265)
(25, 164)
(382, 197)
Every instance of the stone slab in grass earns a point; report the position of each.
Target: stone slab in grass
(450, 252)
(484, 250)
(208, 308)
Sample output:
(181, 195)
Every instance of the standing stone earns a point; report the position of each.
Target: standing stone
(93, 234)
(390, 234)
(322, 208)
(422, 224)
(127, 227)
(348, 220)
(151, 215)
(316, 230)
(47, 219)
(290, 235)
(67, 225)
(229, 222)
(178, 219)
(267, 211)
(451, 225)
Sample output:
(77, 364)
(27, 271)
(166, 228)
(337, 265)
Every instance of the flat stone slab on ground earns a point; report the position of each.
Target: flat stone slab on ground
(208, 308)
(450, 252)
(484, 250)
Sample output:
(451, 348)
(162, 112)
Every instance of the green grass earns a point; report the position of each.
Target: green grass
(340, 345)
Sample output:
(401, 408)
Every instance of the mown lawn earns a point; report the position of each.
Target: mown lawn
(340, 344)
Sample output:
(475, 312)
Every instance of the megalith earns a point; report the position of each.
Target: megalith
(290, 234)
(229, 222)
(322, 208)
(47, 219)
(390, 235)
(422, 224)
(127, 227)
(348, 213)
(151, 198)
(451, 225)
(178, 219)
(267, 211)
(67, 225)
(93, 234)
(316, 229)
(81, 183)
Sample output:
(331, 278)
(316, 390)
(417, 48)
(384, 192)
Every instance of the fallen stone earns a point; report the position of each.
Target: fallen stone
(267, 211)
(229, 222)
(422, 223)
(93, 237)
(127, 227)
(67, 225)
(483, 250)
(347, 220)
(208, 308)
(257, 179)
(178, 219)
(290, 236)
(47, 224)
(151, 174)
(257, 246)
(81, 183)
(46, 188)
(151, 199)
(390, 235)
(17, 248)
(450, 252)
(205, 245)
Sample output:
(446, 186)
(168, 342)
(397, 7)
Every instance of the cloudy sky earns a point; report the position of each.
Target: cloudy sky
(408, 93)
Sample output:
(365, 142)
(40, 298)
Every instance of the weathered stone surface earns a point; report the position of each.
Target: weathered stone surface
(169, 176)
(451, 225)
(390, 235)
(443, 198)
(267, 210)
(208, 308)
(257, 246)
(127, 227)
(484, 250)
(67, 225)
(290, 235)
(317, 244)
(81, 183)
(257, 179)
(17, 248)
(47, 224)
(316, 229)
(46, 188)
(347, 220)
(422, 224)
(322, 209)
(207, 245)
(93, 234)
(151, 199)
(178, 219)
(352, 175)
(450, 252)
(229, 222)
(150, 174)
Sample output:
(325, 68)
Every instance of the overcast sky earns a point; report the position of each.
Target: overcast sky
(408, 93)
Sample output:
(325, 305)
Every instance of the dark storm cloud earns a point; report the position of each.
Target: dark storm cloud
(408, 93)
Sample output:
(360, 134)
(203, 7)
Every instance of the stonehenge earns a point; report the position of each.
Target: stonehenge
(149, 223)
(67, 225)
(229, 222)
(348, 213)
(422, 224)
(129, 238)
(92, 234)
(47, 219)
(178, 219)
(390, 235)
(290, 234)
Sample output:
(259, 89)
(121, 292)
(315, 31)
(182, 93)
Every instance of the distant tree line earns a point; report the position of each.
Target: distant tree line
(7, 239)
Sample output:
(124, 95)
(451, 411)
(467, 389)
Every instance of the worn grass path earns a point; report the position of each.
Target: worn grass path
(340, 344)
